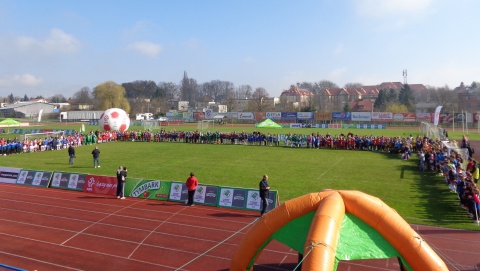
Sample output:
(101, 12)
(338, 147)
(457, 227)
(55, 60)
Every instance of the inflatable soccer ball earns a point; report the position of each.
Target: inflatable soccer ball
(114, 119)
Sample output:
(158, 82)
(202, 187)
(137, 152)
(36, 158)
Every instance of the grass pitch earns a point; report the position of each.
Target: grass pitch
(421, 198)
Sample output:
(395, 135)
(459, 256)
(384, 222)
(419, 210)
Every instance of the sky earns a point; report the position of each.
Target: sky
(55, 47)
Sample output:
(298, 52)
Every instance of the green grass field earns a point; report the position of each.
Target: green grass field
(421, 198)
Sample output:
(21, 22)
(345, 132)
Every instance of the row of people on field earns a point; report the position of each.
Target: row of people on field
(314, 140)
(15, 145)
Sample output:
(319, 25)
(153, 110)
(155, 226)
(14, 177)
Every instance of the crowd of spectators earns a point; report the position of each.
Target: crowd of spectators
(449, 164)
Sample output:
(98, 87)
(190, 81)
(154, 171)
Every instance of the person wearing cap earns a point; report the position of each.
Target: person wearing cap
(191, 183)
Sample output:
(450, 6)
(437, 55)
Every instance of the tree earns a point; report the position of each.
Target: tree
(188, 89)
(406, 97)
(381, 102)
(169, 90)
(109, 95)
(347, 108)
(353, 85)
(259, 102)
(396, 108)
(244, 92)
(11, 98)
(58, 98)
(25, 98)
(84, 96)
(445, 97)
(321, 86)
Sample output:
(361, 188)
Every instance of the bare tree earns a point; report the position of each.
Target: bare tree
(445, 97)
(83, 96)
(259, 102)
(353, 85)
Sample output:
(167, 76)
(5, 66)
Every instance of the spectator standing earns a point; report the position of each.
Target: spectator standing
(191, 183)
(264, 188)
(71, 154)
(120, 184)
(96, 157)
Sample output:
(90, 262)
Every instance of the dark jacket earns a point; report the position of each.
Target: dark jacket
(71, 151)
(96, 153)
(263, 189)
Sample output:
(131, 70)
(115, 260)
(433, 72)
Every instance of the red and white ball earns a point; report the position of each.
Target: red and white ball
(114, 119)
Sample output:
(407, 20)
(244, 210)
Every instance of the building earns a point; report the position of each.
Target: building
(468, 98)
(297, 97)
(28, 109)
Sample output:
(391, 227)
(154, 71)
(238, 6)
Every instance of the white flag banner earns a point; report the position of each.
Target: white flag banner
(40, 115)
(436, 117)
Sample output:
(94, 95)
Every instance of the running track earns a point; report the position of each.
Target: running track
(52, 229)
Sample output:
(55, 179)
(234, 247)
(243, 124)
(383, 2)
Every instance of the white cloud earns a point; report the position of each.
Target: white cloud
(22, 80)
(146, 48)
(386, 8)
(57, 42)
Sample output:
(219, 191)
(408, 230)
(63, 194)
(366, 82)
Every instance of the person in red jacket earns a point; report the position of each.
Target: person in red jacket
(191, 183)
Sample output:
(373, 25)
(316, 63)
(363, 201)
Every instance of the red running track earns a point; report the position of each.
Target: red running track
(51, 229)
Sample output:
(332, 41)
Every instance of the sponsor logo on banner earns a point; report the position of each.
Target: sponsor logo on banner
(239, 198)
(199, 115)
(226, 197)
(176, 191)
(295, 125)
(143, 188)
(305, 115)
(398, 117)
(254, 201)
(246, 116)
(71, 181)
(9, 175)
(32, 177)
(209, 114)
(361, 116)
(274, 115)
(289, 115)
(105, 185)
(382, 116)
(341, 115)
(200, 194)
(424, 116)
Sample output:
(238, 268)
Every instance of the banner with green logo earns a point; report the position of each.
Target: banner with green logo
(248, 199)
(204, 194)
(34, 177)
(147, 189)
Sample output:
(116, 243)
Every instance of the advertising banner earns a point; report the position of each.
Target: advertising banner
(323, 116)
(209, 114)
(70, 181)
(9, 175)
(289, 115)
(34, 177)
(305, 115)
(424, 117)
(198, 115)
(259, 116)
(188, 115)
(254, 202)
(246, 116)
(341, 115)
(147, 189)
(106, 185)
(382, 116)
(407, 117)
(274, 115)
(295, 125)
(205, 194)
(232, 197)
(361, 116)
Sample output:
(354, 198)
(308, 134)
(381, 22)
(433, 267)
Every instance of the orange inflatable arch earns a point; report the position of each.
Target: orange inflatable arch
(330, 207)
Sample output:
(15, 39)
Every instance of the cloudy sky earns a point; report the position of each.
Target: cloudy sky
(59, 46)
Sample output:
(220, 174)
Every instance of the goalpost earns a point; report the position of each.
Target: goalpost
(205, 124)
(44, 135)
(431, 131)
